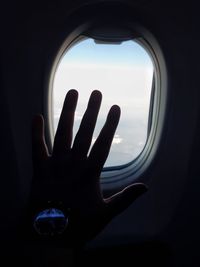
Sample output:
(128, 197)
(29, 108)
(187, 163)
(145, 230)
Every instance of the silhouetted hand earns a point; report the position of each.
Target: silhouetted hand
(72, 177)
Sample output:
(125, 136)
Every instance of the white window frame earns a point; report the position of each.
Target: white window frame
(117, 177)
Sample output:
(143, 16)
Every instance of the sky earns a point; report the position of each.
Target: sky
(123, 73)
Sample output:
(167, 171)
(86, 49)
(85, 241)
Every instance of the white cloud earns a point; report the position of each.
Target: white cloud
(116, 140)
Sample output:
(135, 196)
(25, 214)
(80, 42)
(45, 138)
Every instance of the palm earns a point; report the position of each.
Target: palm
(71, 176)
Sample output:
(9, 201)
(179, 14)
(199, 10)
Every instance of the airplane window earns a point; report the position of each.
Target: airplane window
(123, 72)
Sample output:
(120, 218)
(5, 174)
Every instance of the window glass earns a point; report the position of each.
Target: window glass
(123, 73)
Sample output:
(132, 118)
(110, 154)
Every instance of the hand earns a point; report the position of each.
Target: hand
(71, 176)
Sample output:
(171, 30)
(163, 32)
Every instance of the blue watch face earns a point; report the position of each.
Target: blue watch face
(50, 222)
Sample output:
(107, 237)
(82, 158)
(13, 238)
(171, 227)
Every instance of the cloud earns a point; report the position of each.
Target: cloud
(116, 140)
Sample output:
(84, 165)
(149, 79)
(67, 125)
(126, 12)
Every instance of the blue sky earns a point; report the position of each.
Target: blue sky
(127, 53)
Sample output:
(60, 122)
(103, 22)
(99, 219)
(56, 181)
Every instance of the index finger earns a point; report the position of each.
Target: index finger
(101, 147)
(64, 133)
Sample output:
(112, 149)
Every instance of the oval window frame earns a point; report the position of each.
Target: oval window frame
(115, 178)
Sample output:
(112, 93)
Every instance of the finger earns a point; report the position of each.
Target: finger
(39, 147)
(83, 138)
(122, 200)
(64, 133)
(101, 147)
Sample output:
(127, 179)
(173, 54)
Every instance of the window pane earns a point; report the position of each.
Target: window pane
(123, 73)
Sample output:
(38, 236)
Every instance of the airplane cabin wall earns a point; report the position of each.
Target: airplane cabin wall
(32, 33)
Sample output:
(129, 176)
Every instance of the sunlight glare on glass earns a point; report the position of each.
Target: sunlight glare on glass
(123, 73)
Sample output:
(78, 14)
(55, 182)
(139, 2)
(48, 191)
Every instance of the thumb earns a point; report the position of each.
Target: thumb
(39, 147)
(123, 199)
